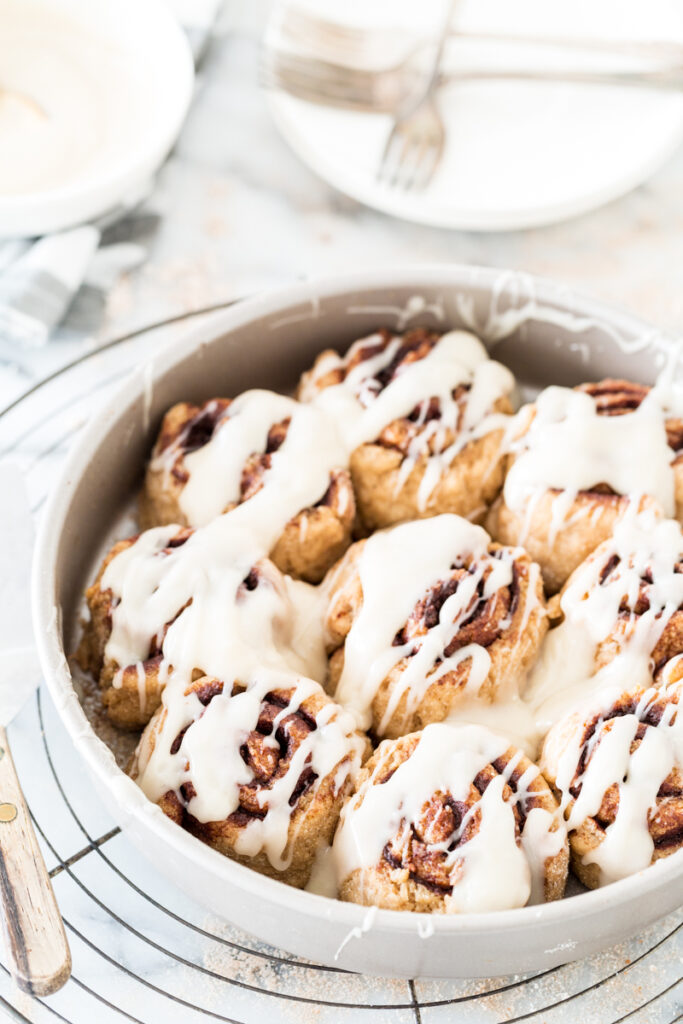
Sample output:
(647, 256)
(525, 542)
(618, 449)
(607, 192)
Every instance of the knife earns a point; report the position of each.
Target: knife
(36, 943)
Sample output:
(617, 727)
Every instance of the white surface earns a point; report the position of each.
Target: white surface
(95, 94)
(517, 154)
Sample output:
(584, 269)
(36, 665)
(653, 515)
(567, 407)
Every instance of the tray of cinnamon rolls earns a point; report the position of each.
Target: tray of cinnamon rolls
(334, 709)
(401, 639)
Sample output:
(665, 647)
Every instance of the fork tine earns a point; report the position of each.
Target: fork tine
(395, 152)
(307, 87)
(410, 168)
(386, 160)
(297, 73)
(428, 160)
(311, 93)
(323, 72)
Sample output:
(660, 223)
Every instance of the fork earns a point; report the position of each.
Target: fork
(385, 91)
(416, 141)
(353, 44)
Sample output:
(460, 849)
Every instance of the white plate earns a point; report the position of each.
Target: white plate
(518, 154)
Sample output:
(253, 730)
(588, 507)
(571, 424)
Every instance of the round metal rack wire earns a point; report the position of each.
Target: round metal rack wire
(143, 952)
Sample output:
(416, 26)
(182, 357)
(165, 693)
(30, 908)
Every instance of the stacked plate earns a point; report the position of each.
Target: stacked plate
(518, 154)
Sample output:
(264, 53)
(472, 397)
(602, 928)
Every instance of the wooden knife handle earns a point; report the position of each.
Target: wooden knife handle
(40, 960)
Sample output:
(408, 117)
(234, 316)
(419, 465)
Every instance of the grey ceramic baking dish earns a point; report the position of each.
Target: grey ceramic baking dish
(545, 334)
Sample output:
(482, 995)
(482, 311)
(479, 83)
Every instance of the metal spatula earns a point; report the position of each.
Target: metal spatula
(40, 960)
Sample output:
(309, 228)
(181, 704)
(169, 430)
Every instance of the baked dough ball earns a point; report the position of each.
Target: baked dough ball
(619, 615)
(580, 461)
(429, 425)
(211, 458)
(154, 602)
(427, 615)
(130, 693)
(258, 772)
(617, 765)
(452, 819)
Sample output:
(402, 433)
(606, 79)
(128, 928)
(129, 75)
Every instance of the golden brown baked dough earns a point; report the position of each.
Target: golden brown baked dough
(509, 624)
(466, 486)
(635, 578)
(270, 742)
(130, 696)
(574, 757)
(132, 693)
(591, 519)
(592, 516)
(424, 861)
(310, 543)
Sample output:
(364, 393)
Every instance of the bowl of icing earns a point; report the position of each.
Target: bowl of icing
(545, 334)
(92, 96)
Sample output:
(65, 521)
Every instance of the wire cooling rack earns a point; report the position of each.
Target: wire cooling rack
(144, 952)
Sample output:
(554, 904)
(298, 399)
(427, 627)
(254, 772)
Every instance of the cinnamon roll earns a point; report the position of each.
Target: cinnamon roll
(263, 448)
(423, 416)
(617, 765)
(619, 616)
(179, 601)
(578, 460)
(257, 771)
(425, 615)
(450, 820)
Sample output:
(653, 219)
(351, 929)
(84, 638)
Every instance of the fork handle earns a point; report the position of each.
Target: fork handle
(40, 959)
(666, 79)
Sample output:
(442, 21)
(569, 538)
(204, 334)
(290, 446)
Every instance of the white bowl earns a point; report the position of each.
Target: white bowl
(545, 334)
(145, 51)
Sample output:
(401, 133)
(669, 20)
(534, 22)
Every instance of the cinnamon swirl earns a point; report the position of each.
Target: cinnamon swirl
(210, 458)
(258, 771)
(426, 614)
(578, 460)
(617, 764)
(619, 616)
(424, 420)
(178, 601)
(450, 820)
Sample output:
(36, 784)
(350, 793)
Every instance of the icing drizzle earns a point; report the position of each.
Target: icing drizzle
(363, 405)
(200, 743)
(196, 598)
(489, 870)
(616, 606)
(422, 552)
(271, 635)
(565, 442)
(630, 749)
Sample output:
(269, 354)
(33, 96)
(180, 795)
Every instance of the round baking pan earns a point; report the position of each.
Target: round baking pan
(545, 334)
